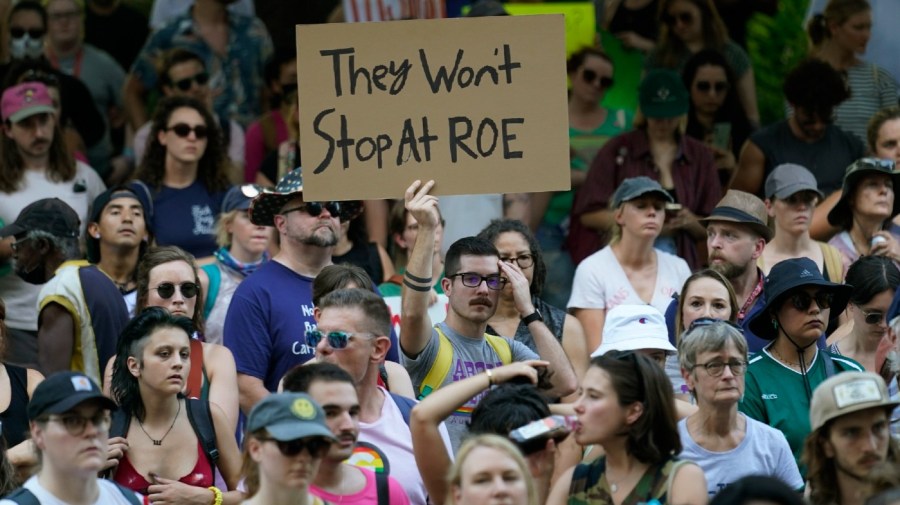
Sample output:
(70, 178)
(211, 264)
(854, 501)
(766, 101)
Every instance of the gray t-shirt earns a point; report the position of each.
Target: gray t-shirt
(470, 357)
(764, 451)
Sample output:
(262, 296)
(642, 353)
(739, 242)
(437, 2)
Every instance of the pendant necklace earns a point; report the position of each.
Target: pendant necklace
(160, 441)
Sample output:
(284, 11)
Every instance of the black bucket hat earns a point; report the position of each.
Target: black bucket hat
(863, 166)
(784, 277)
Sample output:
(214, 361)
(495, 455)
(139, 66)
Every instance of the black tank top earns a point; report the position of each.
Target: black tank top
(15, 417)
(366, 257)
(641, 21)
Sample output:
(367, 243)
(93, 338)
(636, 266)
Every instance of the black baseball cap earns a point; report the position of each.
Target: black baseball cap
(50, 215)
(63, 391)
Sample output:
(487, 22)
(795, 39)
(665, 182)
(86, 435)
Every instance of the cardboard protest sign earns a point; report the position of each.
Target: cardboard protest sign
(477, 104)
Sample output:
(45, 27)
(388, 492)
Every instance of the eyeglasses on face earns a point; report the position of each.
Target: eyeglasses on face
(76, 424)
(873, 317)
(473, 280)
(717, 368)
(183, 130)
(801, 300)
(33, 33)
(719, 86)
(167, 289)
(185, 84)
(685, 18)
(316, 447)
(524, 260)
(336, 339)
(314, 209)
(590, 77)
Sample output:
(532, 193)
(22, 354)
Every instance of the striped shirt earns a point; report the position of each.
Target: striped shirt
(871, 88)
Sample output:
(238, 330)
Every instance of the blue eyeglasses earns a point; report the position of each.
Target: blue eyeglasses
(336, 339)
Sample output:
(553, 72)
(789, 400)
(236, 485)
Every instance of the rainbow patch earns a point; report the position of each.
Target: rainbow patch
(367, 456)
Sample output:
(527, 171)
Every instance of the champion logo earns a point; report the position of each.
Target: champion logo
(805, 273)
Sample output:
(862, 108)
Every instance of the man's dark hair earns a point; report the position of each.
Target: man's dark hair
(757, 488)
(174, 57)
(507, 407)
(467, 246)
(301, 377)
(816, 87)
(28, 5)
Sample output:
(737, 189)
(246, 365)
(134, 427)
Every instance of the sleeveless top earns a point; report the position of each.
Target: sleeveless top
(15, 417)
(589, 484)
(201, 476)
(364, 256)
(554, 318)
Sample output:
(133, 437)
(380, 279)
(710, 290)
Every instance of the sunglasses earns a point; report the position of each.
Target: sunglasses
(34, 33)
(167, 289)
(874, 317)
(801, 300)
(316, 447)
(183, 130)
(473, 280)
(591, 77)
(685, 18)
(185, 84)
(336, 339)
(314, 209)
(719, 86)
(877, 163)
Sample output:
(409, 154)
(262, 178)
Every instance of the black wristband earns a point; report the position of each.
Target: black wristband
(414, 287)
(534, 316)
(420, 280)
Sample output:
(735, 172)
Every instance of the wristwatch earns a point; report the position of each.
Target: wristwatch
(534, 316)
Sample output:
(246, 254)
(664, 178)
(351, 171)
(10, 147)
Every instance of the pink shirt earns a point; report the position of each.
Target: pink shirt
(255, 144)
(368, 495)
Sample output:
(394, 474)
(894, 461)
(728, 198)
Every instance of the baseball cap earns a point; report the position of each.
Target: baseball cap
(134, 189)
(239, 197)
(63, 391)
(790, 178)
(289, 416)
(633, 327)
(846, 393)
(662, 94)
(50, 215)
(25, 100)
(744, 208)
(634, 187)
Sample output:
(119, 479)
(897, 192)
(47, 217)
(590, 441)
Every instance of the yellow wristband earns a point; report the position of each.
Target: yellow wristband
(217, 495)
(490, 376)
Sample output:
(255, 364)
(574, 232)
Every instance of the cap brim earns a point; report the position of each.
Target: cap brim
(74, 400)
(636, 342)
(12, 229)
(786, 192)
(31, 111)
(294, 430)
(761, 229)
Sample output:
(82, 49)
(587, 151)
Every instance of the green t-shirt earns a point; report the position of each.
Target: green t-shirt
(586, 144)
(776, 395)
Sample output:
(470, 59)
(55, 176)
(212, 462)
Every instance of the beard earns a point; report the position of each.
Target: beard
(325, 240)
(729, 270)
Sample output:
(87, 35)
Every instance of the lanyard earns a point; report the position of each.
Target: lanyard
(751, 299)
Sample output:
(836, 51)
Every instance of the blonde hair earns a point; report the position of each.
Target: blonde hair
(223, 237)
(454, 478)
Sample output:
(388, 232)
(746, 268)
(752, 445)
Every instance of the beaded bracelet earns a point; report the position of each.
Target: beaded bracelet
(217, 495)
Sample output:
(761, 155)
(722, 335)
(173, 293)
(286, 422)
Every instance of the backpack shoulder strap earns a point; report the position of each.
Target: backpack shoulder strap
(404, 404)
(118, 427)
(127, 493)
(22, 496)
(440, 368)
(215, 278)
(834, 263)
(501, 347)
(202, 422)
(384, 492)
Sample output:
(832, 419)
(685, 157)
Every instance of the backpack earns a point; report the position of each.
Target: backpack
(23, 496)
(201, 421)
(441, 366)
(215, 278)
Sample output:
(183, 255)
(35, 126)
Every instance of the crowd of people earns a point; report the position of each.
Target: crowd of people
(710, 315)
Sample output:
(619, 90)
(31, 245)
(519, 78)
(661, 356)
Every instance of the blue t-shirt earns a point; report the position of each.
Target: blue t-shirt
(267, 320)
(187, 218)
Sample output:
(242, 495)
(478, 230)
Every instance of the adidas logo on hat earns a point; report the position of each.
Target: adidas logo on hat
(805, 273)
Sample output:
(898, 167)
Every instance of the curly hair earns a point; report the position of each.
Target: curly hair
(499, 226)
(212, 167)
(123, 385)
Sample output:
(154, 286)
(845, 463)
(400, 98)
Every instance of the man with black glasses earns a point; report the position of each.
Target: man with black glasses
(459, 347)
(272, 309)
(70, 419)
